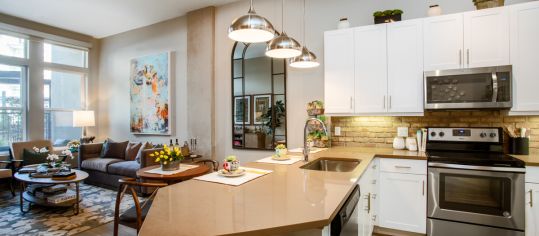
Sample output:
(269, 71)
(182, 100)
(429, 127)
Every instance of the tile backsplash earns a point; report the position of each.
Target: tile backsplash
(379, 131)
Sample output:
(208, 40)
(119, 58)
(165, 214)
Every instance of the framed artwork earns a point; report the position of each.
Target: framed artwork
(242, 110)
(150, 94)
(262, 103)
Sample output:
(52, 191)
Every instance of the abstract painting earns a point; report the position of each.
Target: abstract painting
(150, 94)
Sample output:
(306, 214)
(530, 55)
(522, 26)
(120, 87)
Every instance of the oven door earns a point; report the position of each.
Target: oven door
(493, 198)
(486, 87)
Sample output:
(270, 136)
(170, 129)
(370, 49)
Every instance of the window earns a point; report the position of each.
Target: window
(12, 46)
(63, 93)
(11, 112)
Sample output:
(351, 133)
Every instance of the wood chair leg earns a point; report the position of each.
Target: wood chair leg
(11, 187)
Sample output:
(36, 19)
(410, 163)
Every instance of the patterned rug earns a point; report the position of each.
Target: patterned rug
(97, 208)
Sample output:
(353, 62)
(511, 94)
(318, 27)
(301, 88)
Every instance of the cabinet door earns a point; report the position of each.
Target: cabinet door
(486, 37)
(403, 202)
(443, 42)
(405, 66)
(339, 71)
(525, 56)
(364, 204)
(532, 209)
(371, 69)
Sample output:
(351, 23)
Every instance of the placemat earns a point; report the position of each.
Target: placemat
(159, 171)
(293, 159)
(250, 174)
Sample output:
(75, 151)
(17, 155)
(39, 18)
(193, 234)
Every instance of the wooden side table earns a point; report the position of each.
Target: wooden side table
(175, 178)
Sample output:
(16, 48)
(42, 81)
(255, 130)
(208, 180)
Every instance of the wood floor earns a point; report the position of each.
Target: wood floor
(108, 229)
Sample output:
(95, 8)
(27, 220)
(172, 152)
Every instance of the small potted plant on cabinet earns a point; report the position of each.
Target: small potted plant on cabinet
(387, 16)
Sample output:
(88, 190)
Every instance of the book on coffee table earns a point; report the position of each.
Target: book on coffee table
(64, 197)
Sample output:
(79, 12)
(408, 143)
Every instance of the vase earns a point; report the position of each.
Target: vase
(170, 166)
(343, 23)
(434, 10)
(281, 152)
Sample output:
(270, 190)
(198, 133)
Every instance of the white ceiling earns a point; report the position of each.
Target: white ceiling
(101, 18)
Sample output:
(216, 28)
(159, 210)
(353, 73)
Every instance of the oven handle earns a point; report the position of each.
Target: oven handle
(494, 87)
(488, 168)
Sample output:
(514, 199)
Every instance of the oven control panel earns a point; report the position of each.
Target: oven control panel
(490, 135)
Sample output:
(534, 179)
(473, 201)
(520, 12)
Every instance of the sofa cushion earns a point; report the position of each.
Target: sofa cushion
(124, 168)
(99, 164)
(146, 146)
(31, 157)
(113, 149)
(131, 151)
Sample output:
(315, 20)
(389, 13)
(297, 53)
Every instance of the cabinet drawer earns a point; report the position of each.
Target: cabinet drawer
(403, 166)
(532, 174)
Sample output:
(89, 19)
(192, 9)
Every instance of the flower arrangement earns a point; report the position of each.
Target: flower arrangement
(73, 145)
(67, 153)
(168, 157)
(281, 150)
(231, 164)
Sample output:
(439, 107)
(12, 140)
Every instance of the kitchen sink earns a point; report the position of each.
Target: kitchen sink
(332, 164)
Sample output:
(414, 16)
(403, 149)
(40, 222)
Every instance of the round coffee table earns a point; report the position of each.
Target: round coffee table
(174, 178)
(25, 179)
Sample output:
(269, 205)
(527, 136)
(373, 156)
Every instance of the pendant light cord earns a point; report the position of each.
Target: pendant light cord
(282, 14)
(304, 24)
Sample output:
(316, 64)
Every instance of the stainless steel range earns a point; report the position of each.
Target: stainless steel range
(473, 188)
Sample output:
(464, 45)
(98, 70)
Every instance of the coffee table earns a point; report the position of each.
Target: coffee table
(25, 179)
(175, 178)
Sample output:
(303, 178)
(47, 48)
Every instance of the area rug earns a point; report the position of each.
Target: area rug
(97, 208)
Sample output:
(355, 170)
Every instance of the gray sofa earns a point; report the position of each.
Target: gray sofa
(105, 172)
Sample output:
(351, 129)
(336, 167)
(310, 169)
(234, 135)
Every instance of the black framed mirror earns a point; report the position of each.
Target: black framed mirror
(258, 98)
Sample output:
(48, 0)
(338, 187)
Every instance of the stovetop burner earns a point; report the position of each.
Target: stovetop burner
(474, 158)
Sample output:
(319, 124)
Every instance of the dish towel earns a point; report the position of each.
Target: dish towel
(159, 171)
(293, 159)
(250, 174)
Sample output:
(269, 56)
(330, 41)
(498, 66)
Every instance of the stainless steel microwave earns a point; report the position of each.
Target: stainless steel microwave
(472, 88)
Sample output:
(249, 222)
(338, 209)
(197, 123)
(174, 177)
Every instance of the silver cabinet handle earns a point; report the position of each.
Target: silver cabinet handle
(374, 167)
(468, 56)
(351, 103)
(384, 104)
(460, 57)
(423, 188)
(403, 167)
(389, 101)
(373, 196)
(369, 204)
(531, 197)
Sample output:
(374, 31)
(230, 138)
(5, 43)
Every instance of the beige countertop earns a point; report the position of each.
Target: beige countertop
(287, 200)
(531, 160)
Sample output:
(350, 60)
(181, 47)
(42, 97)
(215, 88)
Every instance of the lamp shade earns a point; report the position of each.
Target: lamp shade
(83, 118)
(307, 59)
(283, 46)
(251, 28)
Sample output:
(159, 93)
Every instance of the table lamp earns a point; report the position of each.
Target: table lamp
(84, 119)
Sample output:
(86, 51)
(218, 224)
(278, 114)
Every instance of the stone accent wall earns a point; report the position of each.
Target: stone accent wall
(366, 131)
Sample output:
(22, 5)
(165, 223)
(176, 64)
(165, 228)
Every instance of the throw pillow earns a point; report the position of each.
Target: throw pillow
(146, 146)
(113, 149)
(31, 157)
(132, 151)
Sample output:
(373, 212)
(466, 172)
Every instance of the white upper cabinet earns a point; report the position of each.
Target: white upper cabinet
(486, 37)
(405, 66)
(525, 56)
(443, 44)
(339, 71)
(370, 69)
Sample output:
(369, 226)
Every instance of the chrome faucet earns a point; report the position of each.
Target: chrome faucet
(306, 148)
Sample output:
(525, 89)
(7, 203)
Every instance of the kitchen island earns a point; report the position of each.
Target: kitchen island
(288, 200)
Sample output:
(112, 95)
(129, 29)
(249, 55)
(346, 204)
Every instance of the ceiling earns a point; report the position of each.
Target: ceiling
(102, 18)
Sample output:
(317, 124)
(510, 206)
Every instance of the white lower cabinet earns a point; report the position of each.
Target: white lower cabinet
(393, 195)
(532, 209)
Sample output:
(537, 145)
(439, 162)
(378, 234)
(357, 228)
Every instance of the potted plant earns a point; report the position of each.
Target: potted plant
(231, 164)
(387, 16)
(169, 158)
(73, 145)
(315, 108)
(281, 150)
(483, 4)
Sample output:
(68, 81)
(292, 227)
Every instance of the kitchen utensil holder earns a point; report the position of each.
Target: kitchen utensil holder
(520, 146)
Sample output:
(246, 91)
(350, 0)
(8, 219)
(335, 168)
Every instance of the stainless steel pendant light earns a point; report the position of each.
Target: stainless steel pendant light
(251, 28)
(283, 46)
(307, 59)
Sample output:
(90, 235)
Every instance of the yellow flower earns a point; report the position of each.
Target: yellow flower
(165, 146)
(162, 152)
(165, 163)
(157, 160)
(152, 155)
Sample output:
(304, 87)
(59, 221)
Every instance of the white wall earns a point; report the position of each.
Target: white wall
(302, 85)
(113, 93)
